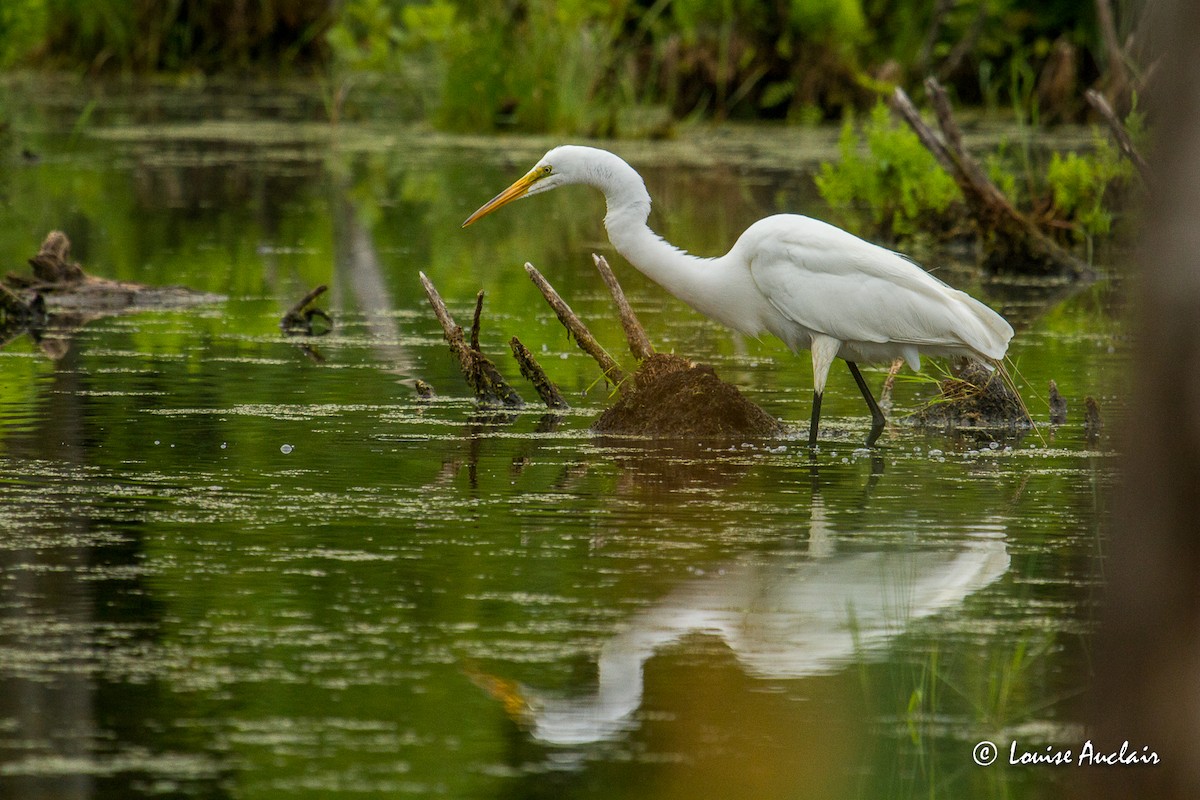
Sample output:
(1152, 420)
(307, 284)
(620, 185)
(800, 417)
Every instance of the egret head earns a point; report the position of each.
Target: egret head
(544, 176)
(561, 166)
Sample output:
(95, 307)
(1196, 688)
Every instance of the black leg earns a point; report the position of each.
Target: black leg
(878, 420)
(816, 418)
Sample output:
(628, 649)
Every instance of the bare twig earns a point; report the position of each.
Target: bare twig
(1119, 132)
(885, 395)
(475, 321)
(575, 327)
(532, 371)
(639, 342)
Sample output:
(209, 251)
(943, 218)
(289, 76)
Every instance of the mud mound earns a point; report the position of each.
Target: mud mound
(674, 397)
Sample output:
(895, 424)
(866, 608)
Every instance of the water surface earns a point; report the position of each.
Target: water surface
(238, 564)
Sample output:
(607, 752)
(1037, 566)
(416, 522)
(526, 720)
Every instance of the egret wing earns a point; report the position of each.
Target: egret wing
(833, 283)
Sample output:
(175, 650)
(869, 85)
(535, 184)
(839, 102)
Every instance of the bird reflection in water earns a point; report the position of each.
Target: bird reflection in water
(782, 617)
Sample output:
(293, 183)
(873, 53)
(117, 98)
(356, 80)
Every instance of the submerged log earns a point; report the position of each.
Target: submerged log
(65, 286)
(1011, 241)
(60, 296)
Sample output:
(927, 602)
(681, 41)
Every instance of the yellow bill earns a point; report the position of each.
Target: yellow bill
(514, 192)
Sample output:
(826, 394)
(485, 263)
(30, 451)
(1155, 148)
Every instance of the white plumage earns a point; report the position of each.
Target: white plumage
(811, 284)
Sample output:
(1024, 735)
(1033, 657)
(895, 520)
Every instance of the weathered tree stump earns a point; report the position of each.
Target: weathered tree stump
(50, 265)
(671, 396)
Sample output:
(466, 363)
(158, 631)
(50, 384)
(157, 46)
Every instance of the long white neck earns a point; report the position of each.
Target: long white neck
(702, 283)
(607, 712)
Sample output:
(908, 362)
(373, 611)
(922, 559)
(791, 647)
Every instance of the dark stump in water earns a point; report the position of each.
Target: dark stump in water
(975, 398)
(674, 397)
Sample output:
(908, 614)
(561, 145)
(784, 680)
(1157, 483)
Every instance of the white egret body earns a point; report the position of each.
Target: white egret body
(813, 285)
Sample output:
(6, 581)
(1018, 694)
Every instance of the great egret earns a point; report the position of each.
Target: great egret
(813, 285)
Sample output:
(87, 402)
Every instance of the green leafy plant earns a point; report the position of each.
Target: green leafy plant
(1079, 184)
(886, 183)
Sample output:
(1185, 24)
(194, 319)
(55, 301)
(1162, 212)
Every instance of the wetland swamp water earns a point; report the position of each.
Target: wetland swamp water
(242, 565)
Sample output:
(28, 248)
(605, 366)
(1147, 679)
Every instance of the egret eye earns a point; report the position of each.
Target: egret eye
(546, 170)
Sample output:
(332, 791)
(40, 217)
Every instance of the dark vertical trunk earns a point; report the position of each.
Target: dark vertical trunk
(1148, 683)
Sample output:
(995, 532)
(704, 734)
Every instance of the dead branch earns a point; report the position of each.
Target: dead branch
(484, 379)
(475, 320)
(1119, 132)
(1118, 75)
(583, 337)
(635, 334)
(297, 309)
(299, 318)
(1012, 242)
(532, 371)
